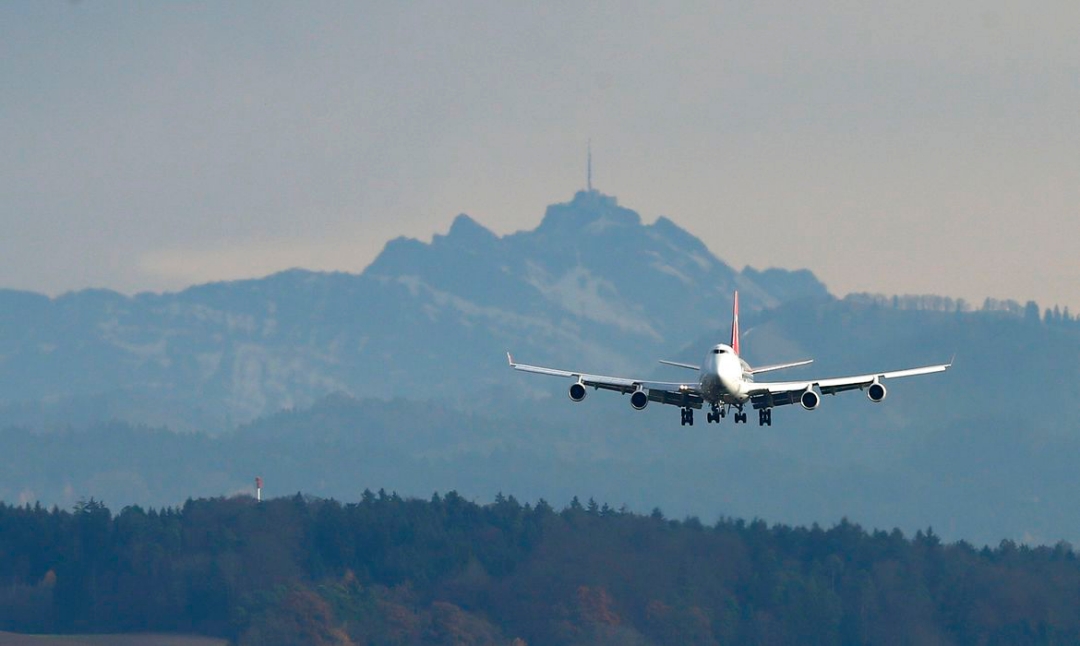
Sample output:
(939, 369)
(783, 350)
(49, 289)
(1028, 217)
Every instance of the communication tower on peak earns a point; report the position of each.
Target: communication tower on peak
(588, 172)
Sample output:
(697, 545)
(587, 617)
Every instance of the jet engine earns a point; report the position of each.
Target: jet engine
(639, 399)
(577, 392)
(810, 399)
(876, 392)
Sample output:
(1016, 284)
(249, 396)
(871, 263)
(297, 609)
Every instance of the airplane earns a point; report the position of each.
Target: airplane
(726, 382)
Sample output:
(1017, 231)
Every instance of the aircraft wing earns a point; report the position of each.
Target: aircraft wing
(666, 392)
(766, 394)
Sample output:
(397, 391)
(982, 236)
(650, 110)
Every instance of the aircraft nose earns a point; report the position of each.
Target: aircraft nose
(727, 375)
(730, 385)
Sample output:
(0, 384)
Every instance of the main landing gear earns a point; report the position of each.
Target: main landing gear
(718, 413)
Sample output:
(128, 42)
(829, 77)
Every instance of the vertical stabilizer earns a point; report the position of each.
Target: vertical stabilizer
(735, 324)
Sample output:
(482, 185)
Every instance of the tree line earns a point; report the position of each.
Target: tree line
(1052, 316)
(393, 570)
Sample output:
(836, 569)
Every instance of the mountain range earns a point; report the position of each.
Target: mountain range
(591, 283)
(396, 377)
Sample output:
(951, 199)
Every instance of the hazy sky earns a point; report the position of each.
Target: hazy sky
(905, 147)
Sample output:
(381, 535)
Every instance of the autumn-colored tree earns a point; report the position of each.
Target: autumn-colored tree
(301, 617)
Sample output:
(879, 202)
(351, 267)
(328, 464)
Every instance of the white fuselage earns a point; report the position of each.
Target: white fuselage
(724, 376)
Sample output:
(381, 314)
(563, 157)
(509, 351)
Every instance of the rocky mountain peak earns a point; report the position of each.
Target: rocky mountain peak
(465, 230)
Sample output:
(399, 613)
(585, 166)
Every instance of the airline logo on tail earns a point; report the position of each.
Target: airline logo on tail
(735, 325)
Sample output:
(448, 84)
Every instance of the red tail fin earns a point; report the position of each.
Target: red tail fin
(735, 324)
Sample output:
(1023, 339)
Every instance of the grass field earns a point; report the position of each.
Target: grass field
(146, 639)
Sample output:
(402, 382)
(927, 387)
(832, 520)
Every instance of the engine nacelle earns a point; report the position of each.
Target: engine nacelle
(876, 392)
(577, 392)
(639, 400)
(810, 399)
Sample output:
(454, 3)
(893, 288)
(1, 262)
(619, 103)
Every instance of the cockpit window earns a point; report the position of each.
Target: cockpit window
(717, 350)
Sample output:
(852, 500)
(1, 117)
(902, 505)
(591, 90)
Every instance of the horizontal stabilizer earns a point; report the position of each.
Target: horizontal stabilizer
(781, 366)
(679, 364)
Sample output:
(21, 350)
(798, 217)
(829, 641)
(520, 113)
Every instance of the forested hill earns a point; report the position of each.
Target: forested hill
(392, 570)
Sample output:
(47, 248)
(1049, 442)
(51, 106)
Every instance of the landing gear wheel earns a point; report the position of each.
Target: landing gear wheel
(740, 418)
(765, 417)
(688, 416)
(715, 415)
